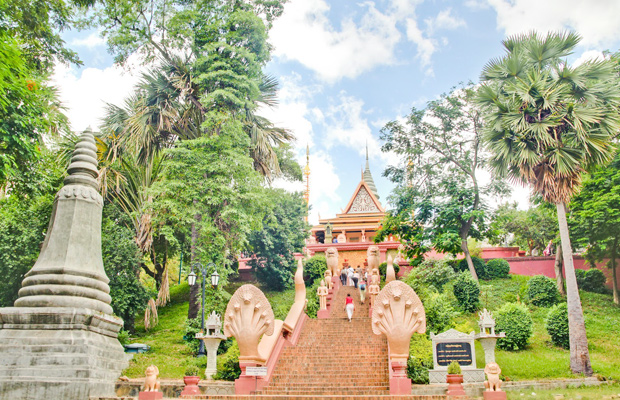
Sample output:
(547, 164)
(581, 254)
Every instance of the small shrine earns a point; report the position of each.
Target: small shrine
(211, 337)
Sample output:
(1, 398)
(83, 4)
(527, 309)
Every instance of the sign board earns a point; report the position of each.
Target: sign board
(460, 352)
(256, 371)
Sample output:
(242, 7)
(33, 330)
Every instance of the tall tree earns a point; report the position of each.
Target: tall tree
(546, 123)
(595, 217)
(442, 152)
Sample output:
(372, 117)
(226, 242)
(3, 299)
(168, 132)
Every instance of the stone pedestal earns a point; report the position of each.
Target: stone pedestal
(191, 386)
(58, 353)
(488, 345)
(322, 314)
(150, 395)
(494, 395)
(399, 383)
(211, 345)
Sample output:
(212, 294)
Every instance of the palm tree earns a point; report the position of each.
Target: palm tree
(546, 123)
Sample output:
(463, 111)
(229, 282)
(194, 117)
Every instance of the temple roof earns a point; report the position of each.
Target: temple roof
(367, 177)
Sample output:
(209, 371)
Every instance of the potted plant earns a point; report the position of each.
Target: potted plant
(191, 380)
(455, 380)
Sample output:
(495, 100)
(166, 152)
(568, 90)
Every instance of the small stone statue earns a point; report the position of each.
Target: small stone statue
(322, 293)
(151, 383)
(373, 291)
(331, 256)
(328, 279)
(363, 239)
(372, 255)
(493, 383)
(342, 237)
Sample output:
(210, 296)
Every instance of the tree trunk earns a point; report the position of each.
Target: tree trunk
(192, 312)
(559, 276)
(470, 263)
(579, 354)
(612, 263)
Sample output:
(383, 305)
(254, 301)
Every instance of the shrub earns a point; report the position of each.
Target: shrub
(228, 365)
(383, 267)
(498, 268)
(454, 368)
(420, 359)
(515, 320)
(580, 274)
(314, 268)
(479, 266)
(557, 325)
(192, 327)
(542, 291)
(467, 292)
(192, 370)
(594, 281)
(313, 300)
(439, 313)
(434, 272)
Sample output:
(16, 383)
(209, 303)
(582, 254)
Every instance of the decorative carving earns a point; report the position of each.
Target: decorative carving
(331, 255)
(390, 273)
(248, 317)
(342, 237)
(363, 203)
(363, 239)
(493, 383)
(486, 323)
(151, 383)
(399, 256)
(372, 255)
(311, 240)
(373, 291)
(322, 293)
(300, 285)
(328, 279)
(398, 313)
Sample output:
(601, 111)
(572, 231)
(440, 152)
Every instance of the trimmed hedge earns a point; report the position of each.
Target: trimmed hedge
(479, 266)
(594, 281)
(467, 292)
(542, 291)
(515, 320)
(498, 268)
(557, 325)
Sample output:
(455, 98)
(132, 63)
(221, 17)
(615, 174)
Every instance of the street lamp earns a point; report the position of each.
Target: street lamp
(215, 279)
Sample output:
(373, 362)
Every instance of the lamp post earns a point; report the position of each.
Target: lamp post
(215, 279)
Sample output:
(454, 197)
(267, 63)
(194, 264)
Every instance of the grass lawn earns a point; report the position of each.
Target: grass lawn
(168, 350)
(584, 393)
(541, 359)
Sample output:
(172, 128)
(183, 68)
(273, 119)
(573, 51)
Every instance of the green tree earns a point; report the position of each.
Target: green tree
(212, 178)
(547, 122)
(283, 234)
(595, 217)
(438, 184)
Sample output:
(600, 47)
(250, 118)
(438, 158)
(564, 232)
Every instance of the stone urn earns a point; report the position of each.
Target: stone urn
(191, 386)
(455, 385)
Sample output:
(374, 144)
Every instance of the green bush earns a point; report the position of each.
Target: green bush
(192, 370)
(454, 368)
(498, 268)
(557, 325)
(467, 292)
(542, 291)
(439, 313)
(594, 281)
(383, 267)
(192, 327)
(580, 274)
(434, 272)
(479, 266)
(228, 365)
(313, 300)
(314, 268)
(515, 320)
(420, 359)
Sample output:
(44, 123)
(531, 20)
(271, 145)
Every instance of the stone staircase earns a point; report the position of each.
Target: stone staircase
(334, 356)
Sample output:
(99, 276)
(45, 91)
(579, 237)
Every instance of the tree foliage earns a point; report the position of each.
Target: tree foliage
(439, 201)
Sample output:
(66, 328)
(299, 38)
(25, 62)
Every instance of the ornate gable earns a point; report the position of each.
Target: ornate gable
(363, 201)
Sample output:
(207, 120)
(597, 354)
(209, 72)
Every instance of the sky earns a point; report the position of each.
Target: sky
(346, 68)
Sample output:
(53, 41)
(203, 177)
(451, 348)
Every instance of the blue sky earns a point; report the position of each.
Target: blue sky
(348, 67)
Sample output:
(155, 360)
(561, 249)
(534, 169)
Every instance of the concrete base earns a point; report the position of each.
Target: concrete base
(150, 395)
(494, 395)
(322, 314)
(58, 353)
(469, 376)
(400, 386)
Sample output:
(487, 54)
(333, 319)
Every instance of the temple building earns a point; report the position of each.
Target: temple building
(352, 231)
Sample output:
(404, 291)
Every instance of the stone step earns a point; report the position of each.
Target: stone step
(317, 397)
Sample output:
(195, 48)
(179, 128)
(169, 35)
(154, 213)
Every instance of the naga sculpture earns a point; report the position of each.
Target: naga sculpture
(390, 273)
(331, 254)
(398, 313)
(372, 255)
(248, 316)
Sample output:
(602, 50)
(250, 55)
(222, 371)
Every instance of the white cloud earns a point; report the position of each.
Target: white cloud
(426, 45)
(91, 41)
(589, 55)
(594, 20)
(334, 53)
(85, 92)
(444, 20)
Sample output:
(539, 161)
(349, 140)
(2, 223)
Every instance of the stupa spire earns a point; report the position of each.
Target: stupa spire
(367, 176)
